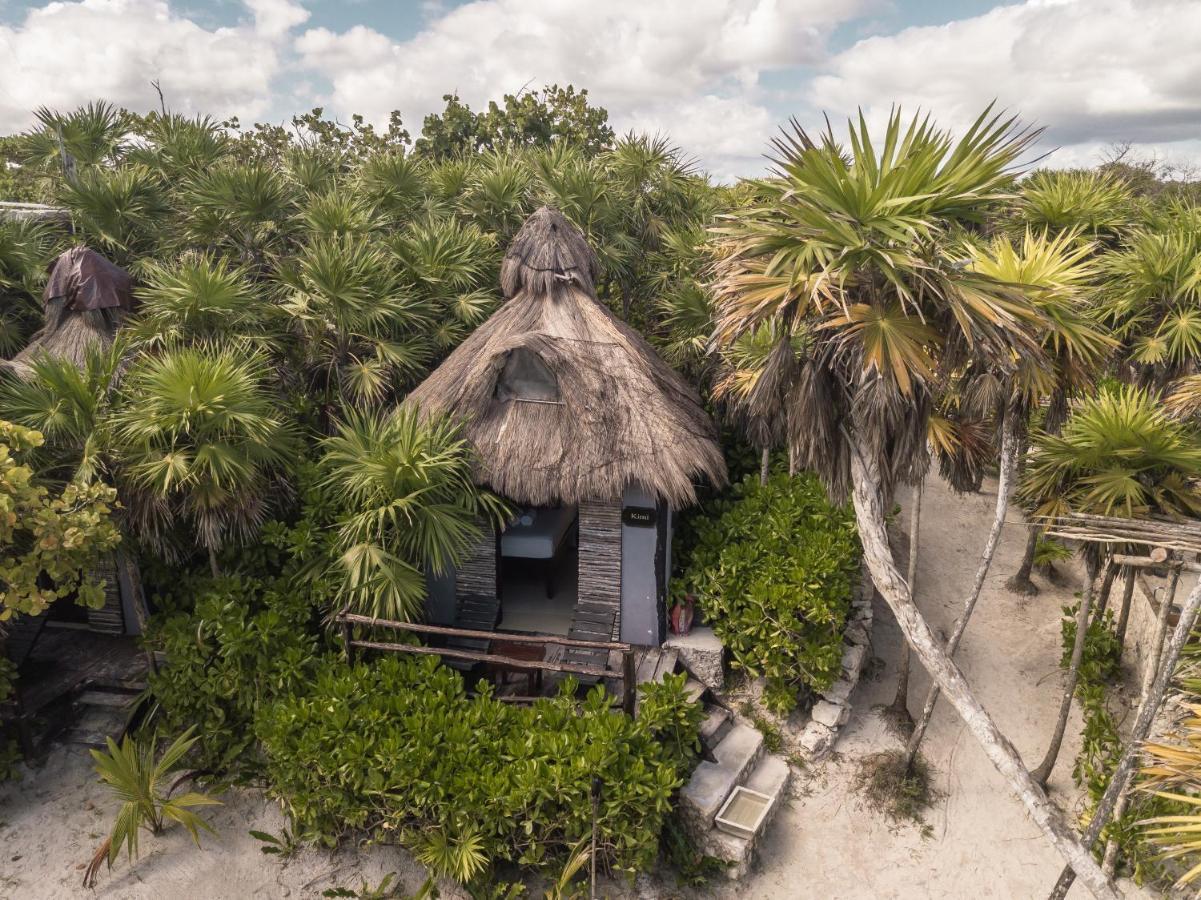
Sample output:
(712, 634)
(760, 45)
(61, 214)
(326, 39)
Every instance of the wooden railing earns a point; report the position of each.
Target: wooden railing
(626, 673)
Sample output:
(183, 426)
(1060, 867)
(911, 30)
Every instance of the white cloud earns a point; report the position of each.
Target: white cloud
(689, 68)
(67, 53)
(1092, 71)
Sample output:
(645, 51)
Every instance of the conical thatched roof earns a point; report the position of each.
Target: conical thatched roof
(85, 301)
(562, 401)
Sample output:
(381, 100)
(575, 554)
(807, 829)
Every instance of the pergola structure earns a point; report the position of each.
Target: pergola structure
(1146, 543)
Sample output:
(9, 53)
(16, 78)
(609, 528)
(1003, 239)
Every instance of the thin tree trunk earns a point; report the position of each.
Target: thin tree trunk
(1020, 582)
(1150, 672)
(1009, 445)
(899, 710)
(1043, 773)
(1138, 734)
(765, 465)
(870, 517)
(213, 567)
(1102, 602)
(1124, 612)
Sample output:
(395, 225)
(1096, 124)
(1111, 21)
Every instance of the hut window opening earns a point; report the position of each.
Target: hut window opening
(527, 379)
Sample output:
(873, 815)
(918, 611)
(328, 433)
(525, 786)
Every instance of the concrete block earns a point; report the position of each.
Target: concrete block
(711, 782)
(714, 727)
(830, 714)
(840, 691)
(852, 658)
(701, 653)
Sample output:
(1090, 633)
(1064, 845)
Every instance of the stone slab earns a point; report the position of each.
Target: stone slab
(702, 654)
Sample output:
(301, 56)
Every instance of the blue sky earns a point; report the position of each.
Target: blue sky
(718, 76)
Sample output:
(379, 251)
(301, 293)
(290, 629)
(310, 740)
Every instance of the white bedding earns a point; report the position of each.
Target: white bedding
(541, 537)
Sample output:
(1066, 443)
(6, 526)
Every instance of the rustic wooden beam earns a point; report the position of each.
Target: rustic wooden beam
(421, 628)
(1146, 562)
(475, 656)
(629, 684)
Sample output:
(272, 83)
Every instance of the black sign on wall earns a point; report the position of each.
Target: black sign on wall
(639, 516)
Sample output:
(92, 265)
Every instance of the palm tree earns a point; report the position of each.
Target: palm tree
(201, 298)
(1120, 454)
(1095, 204)
(91, 136)
(856, 247)
(201, 443)
(410, 507)
(1055, 272)
(26, 248)
(69, 406)
(120, 209)
(360, 330)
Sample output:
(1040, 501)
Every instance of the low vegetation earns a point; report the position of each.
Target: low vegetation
(774, 569)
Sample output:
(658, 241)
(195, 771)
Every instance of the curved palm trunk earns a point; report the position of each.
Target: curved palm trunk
(1009, 455)
(899, 710)
(1142, 727)
(870, 516)
(1043, 773)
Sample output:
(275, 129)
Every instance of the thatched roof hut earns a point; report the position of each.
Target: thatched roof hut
(563, 401)
(85, 301)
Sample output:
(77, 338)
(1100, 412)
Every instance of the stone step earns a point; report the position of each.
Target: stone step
(770, 777)
(714, 727)
(694, 690)
(711, 782)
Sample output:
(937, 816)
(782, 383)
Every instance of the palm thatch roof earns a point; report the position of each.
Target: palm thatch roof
(85, 301)
(562, 401)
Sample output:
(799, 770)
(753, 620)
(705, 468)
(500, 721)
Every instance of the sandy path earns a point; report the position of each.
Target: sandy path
(823, 846)
(981, 844)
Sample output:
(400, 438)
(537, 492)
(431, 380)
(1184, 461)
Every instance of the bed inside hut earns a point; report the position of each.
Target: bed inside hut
(539, 563)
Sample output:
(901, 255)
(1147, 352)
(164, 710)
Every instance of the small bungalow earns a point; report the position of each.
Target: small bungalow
(593, 438)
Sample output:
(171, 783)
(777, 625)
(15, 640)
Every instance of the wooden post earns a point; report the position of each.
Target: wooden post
(629, 683)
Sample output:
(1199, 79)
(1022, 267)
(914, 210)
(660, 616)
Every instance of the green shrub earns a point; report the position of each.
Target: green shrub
(396, 745)
(242, 646)
(774, 571)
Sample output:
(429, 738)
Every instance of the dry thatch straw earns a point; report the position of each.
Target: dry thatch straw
(562, 401)
(67, 334)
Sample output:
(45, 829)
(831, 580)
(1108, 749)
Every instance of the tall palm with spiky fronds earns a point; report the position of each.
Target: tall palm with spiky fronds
(244, 209)
(1056, 274)
(201, 444)
(410, 507)
(856, 246)
(175, 146)
(124, 210)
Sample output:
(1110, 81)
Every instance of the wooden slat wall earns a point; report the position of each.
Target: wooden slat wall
(600, 557)
(477, 575)
(110, 618)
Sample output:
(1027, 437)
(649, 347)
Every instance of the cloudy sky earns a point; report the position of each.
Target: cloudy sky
(718, 76)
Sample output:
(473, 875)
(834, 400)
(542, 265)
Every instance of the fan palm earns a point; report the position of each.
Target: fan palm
(200, 298)
(411, 507)
(123, 210)
(360, 328)
(1055, 273)
(855, 246)
(93, 136)
(241, 208)
(68, 405)
(394, 183)
(201, 443)
(1120, 454)
(1153, 301)
(451, 268)
(176, 146)
(26, 248)
(1094, 204)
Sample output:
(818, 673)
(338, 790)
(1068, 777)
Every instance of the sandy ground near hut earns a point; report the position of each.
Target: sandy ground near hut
(824, 844)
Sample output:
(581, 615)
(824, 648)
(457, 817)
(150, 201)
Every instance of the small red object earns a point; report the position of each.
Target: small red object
(681, 615)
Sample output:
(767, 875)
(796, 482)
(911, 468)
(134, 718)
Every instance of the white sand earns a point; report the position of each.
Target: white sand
(823, 846)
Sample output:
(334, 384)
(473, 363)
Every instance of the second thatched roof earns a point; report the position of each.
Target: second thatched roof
(562, 401)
